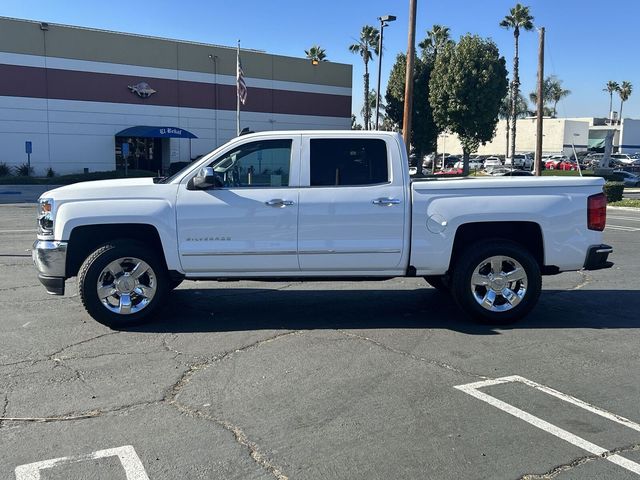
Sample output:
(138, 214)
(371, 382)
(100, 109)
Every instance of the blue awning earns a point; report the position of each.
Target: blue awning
(155, 132)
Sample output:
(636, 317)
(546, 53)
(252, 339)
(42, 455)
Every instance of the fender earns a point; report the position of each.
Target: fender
(158, 213)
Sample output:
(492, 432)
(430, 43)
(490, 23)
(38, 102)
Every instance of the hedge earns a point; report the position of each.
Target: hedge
(613, 191)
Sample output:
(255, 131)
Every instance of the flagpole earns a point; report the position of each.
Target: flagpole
(237, 90)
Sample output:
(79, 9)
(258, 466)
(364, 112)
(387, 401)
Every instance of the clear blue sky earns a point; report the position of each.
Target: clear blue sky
(588, 41)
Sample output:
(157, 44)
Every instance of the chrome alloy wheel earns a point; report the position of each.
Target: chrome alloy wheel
(126, 285)
(499, 283)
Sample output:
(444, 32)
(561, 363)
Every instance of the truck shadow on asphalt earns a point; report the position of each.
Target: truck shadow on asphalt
(246, 309)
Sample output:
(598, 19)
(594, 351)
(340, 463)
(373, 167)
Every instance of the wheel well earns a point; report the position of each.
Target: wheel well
(85, 239)
(527, 234)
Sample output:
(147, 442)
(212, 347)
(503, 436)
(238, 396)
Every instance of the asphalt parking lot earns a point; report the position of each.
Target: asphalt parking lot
(370, 380)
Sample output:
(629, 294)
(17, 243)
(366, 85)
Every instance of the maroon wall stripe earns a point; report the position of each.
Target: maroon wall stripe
(20, 81)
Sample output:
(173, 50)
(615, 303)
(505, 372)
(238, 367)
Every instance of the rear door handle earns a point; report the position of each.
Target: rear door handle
(278, 202)
(386, 202)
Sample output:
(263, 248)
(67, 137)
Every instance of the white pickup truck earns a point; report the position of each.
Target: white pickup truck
(317, 204)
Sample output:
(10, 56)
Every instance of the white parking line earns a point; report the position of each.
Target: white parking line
(472, 389)
(632, 219)
(623, 228)
(133, 468)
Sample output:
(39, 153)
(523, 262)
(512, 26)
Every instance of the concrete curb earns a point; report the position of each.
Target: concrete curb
(630, 209)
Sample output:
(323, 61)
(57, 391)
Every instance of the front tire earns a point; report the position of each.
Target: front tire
(122, 283)
(496, 282)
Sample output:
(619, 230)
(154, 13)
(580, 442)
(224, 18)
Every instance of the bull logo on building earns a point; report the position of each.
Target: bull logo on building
(142, 89)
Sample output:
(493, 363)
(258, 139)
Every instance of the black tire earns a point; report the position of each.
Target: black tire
(95, 264)
(477, 255)
(439, 282)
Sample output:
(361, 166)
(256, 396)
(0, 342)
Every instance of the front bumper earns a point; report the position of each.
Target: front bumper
(50, 259)
(597, 257)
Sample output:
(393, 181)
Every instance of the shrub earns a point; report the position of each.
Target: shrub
(50, 173)
(5, 170)
(613, 191)
(24, 170)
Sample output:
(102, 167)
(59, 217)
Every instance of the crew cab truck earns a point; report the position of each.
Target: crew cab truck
(310, 205)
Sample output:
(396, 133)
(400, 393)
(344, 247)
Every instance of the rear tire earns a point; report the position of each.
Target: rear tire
(496, 282)
(439, 282)
(122, 283)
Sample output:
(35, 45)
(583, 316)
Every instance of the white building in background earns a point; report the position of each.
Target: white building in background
(559, 136)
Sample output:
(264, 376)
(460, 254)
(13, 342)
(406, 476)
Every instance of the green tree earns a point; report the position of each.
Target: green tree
(611, 87)
(316, 54)
(519, 18)
(424, 131)
(366, 46)
(625, 93)
(468, 82)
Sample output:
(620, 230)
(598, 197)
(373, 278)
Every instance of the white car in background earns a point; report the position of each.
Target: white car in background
(520, 161)
(473, 165)
(492, 162)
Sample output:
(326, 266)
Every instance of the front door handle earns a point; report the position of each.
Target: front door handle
(278, 202)
(386, 202)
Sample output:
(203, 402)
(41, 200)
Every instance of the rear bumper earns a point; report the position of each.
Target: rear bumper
(597, 257)
(50, 260)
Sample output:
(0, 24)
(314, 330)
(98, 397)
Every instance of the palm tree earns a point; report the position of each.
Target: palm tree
(366, 46)
(371, 104)
(436, 40)
(519, 18)
(316, 54)
(552, 92)
(611, 87)
(625, 93)
(522, 110)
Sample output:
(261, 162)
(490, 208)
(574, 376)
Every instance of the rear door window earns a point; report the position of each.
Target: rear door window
(346, 161)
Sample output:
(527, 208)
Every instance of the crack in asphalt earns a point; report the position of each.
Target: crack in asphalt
(555, 471)
(170, 398)
(241, 438)
(430, 361)
(4, 409)
(58, 352)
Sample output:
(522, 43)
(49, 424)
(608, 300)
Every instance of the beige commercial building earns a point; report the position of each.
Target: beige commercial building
(92, 99)
(560, 135)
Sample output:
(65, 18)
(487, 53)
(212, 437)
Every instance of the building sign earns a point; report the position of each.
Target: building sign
(171, 132)
(142, 89)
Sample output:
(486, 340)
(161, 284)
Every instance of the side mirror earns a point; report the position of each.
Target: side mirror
(207, 178)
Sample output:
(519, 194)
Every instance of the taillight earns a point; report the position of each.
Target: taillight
(597, 212)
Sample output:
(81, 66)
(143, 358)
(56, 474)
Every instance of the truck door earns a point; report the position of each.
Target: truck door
(352, 206)
(249, 222)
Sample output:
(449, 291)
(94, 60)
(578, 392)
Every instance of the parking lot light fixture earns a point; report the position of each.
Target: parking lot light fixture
(384, 22)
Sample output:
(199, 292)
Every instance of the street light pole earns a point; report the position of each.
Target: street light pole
(408, 83)
(383, 23)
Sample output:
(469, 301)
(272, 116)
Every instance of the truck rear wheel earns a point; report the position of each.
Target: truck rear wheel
(122, 283)
(439, 282)
(496, 282)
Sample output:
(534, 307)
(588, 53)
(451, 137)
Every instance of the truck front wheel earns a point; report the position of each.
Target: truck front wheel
(122, 283)
(496, 281)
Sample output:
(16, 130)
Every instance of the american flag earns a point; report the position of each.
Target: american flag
(241, 85)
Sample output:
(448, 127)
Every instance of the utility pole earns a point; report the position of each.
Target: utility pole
(383, 23)
(540, 106)
(408, 85)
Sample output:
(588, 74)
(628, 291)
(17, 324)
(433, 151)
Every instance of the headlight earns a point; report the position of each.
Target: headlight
(46, 215)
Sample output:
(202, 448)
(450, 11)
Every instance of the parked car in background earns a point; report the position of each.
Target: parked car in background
(568, 165)
(520, 161)
(449, 171)
(507, 172)
(629, 179)
(554, 160)
(623, 158)
(473, 165)
(492, 162)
